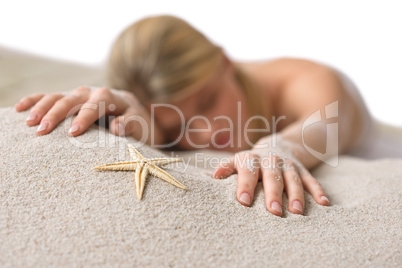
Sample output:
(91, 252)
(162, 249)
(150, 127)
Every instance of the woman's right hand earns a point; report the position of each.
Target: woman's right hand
(48, 110)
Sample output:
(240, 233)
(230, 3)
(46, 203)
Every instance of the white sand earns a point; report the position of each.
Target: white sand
(55, 211)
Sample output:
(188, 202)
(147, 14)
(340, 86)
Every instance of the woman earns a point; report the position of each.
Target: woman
(175, 83)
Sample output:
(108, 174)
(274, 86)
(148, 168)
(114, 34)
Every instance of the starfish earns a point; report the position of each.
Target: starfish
(142, 167)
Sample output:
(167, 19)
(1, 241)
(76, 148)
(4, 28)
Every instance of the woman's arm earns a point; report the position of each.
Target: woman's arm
(325, 122)
(129, 116)
(328, 119)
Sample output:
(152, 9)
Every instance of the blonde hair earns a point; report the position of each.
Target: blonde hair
(163, 58)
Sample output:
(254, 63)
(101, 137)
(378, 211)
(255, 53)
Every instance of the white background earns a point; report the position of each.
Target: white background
(361, 38)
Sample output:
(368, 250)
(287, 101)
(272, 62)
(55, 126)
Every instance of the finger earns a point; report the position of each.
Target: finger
(247, 166)
(224, 169)
(293, 187)
(131, 123)
(273, 184)
(62, 108)
(28, 102)
(313, 187)
(98, 104)
(40, 109)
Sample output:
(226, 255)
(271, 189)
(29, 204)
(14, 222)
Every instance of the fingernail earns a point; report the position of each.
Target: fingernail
(275, 205)
(120, 129)
(32, 116)
(227, 173)
(323, 197)
(224, 174)
(74, 128)
(42, 126)
(245, 198)
(297, 205)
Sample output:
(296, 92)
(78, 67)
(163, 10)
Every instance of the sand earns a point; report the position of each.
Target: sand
(57, 212)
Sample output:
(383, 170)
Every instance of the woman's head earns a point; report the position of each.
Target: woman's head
(162, 58)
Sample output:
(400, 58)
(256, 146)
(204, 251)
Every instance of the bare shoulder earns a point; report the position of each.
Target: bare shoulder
(296, 86)
(294, 63)
(275, 74)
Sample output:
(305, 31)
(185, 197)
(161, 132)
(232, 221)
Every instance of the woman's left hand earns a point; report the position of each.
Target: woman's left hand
(279, 170)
